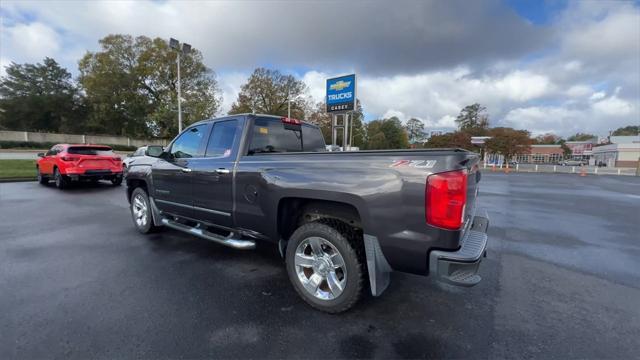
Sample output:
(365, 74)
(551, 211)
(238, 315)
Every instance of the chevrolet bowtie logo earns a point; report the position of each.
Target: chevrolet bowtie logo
(340, 85)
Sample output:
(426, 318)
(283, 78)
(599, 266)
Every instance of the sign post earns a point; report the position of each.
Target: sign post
(341, 100)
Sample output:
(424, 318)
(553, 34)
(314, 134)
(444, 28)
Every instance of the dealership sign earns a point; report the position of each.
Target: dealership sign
(341, 93)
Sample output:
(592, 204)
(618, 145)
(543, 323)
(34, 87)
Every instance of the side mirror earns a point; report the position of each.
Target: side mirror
(40, 154)
(154, 151)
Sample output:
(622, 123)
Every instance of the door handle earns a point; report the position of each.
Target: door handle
(222, 171)
(186, 170)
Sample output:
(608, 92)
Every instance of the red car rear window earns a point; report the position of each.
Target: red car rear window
(90, 150)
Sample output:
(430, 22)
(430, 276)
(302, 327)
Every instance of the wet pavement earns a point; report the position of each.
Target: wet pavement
(561, 280)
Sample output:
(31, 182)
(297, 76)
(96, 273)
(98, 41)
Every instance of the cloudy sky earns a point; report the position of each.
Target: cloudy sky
(545, 66)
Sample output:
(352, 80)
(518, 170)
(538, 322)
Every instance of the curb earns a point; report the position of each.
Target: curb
(17, 180)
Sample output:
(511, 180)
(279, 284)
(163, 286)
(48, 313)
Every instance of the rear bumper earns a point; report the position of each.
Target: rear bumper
(94, 174)
(461, 267)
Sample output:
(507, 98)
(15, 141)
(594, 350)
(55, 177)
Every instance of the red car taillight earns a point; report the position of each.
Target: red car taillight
(445, 199)
(69, 158)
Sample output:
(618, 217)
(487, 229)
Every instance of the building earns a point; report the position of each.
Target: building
(581, 150)
(624, 151)
(541, 154)
(435, 132)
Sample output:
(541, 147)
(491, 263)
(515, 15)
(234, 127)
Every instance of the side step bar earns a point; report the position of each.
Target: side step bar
(229, 241)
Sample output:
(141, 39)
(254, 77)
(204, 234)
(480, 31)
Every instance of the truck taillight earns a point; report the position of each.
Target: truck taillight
(445, 199)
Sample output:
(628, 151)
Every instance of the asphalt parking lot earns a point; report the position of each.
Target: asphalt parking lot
(561, 280)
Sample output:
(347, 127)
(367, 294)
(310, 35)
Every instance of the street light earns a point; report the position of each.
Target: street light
(289, 104)
(186, 48)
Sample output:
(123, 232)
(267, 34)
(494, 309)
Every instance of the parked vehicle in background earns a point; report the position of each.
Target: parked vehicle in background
(65, 163)
(341, 220)
(140, 152)
(572, 163)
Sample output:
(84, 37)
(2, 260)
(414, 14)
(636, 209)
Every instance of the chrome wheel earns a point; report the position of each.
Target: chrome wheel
(140, 211)
(320, 268)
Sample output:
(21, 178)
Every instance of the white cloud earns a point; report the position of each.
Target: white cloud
(613, 106)
(31, 42)
(230, 84)
(579, 91)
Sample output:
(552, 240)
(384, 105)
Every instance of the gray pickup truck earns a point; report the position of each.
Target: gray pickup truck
(342, 220)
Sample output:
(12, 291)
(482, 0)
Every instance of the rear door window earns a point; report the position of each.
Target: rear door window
(221, 139)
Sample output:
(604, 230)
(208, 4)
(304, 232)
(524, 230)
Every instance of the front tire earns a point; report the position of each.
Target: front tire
(325, 264)
(141, 211)
(41, 178)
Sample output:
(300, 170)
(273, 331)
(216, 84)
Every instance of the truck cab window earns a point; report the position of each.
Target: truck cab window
(188, 144)
(271, 135)
(221, 140)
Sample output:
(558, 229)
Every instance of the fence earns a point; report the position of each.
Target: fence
(77, 139)
(584, 170)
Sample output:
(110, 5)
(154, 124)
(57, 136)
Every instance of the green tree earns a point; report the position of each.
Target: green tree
(131, 87)
(508, 142)
(268, 91)
(386, 134)
(547, 139)
(631, 130)
(40, 97)
(456, 139)
(581, 137)
(415, 130)
(473, 119)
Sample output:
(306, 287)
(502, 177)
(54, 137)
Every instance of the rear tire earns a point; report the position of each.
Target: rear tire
(41, 178)
(140, 207)
(117, 181)
(61, 182)
(325, 263)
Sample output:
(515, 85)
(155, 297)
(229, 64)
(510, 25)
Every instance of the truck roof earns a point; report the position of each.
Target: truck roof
(248, 114)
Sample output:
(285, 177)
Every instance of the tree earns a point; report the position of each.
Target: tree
(268, 91)
(508, 142)
(456, 139)
(131, 87)
(581, 137)
(319, 116)
(386, 134)
(40, 97)
(566, 151)
(473, 120)
(547, 139)
(415, 130)
(631, 130)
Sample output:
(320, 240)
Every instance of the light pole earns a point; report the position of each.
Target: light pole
(289, 104)
(186, 48)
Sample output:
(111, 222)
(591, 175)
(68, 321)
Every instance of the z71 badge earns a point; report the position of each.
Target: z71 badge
(420, 164)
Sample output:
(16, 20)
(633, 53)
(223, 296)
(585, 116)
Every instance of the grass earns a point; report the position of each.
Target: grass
(17, 169)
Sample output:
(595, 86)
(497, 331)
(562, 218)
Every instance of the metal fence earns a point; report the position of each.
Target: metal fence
(580, 170)
(28, 136)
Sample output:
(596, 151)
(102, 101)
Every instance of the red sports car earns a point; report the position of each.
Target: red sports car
(65, 163)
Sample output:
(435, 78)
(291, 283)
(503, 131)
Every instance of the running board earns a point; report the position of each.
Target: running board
(222, 240)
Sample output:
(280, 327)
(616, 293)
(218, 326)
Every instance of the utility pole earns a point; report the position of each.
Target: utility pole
(184, 50)
(179, 97)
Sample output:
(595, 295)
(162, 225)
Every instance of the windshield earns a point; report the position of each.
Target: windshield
(90, 150)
